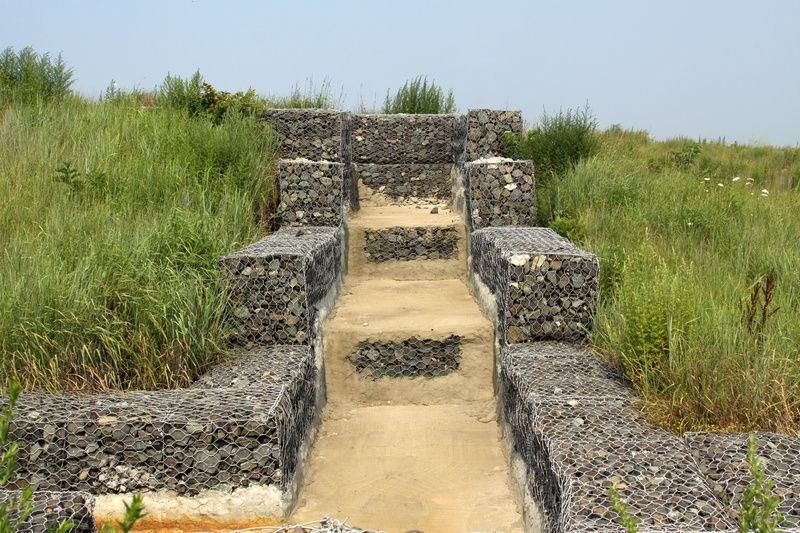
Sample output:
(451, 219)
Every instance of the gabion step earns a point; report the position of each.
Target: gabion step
(412, 357)
(405, 182)
(400, 243)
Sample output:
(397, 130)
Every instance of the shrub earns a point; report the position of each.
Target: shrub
(557, 143)
(417, 96)
(180, 93)
(26, 76)
(758, 509)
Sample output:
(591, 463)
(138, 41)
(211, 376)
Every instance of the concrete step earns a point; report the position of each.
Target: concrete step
(408, 342)
(406, 243)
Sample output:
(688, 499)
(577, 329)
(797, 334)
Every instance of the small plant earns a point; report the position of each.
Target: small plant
(758, 509)
(686, 156)
(18, 508)
(628, 521)
(756, 310)
(26, 76)
(134, 511)
(93, 184)
(417, 96)
(218, 103)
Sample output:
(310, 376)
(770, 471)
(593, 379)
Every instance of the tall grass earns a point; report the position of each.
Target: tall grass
(26, 76)
(111, 217)
(681, 254)
(419, 96)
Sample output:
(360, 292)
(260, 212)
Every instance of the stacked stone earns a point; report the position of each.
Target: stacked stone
(274, 284)
(185, 440)
(406, 243)
(412, 357)
(485, 129)
(311, 193)
(405, 182)
(391, 139)
(51, 509)
(576, 427)
(314, 134)
(500, 192)
(546, 287)
(723, 460)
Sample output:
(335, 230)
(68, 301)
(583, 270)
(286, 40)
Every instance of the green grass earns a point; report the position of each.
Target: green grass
(111, 217)
(681, 248)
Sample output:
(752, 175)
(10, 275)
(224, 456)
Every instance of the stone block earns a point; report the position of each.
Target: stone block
(485, 129)
(500, 192)
(312, 193)
(391, 139)
(314, 134)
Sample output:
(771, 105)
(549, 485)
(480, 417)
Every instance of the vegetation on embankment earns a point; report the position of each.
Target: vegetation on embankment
(700, 291)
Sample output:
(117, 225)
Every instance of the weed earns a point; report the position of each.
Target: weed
(180, 93)
(686, 156)
(628, 521)
(756, 309)
(418, 96)
(134, 512)
(758, 508)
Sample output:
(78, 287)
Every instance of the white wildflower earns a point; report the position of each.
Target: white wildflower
(706, 179)
(720, 185)
(736, 178)
(764, 191)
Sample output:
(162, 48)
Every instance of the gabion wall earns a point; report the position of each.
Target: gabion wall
(405, 182)
(546, 287)
(404, 243)
(312, 193)
(408, 358)
(49, 509)
(500, 192)
(484, 131)
(383, 139)
(723, 459)
(184, 440)
(315, 134)
(274, 284)
(580, 436)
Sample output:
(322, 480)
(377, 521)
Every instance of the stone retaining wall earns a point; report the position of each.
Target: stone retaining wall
(485, 129)
(314, 134)
(500, 192)
(183, 440)
(388, 139)
(312, 193)
(274, 284)
(577, 430)
(545, 287)
(406, 182)
(408, 358)
(404, 243)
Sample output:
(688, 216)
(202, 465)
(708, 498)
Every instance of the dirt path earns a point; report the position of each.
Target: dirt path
(405, 453)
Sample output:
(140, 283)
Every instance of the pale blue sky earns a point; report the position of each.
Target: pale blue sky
(694, 68)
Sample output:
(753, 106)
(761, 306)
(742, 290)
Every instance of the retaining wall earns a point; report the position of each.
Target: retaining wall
(545, 287)
(392, 139)
(312, 193)
(50, 509)
(499, 192)
(484, 129)
(274, 284)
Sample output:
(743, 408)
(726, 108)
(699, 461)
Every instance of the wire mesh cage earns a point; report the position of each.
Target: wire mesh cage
(546, 287)
(723, 459)
(485, 129)
(50, 509)
(411, 357)
(274, 284)
(405, 243)
(312, 193)
(500, 193)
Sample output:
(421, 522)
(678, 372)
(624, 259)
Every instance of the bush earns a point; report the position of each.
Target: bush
(179, 93)
(26, 76)
(557, 143)
(418, 96)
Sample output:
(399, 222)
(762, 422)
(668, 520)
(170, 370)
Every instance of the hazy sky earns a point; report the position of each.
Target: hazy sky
(695, 68)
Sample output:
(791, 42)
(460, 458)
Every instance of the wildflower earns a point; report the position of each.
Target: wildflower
(706, 179)
(736, 178)
(720, 185)
(764, 191)
(690, 223)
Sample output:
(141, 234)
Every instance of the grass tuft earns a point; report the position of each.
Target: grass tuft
(418, 96)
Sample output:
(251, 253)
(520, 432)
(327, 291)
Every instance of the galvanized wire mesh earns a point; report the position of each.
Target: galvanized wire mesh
(574, 423)
(723, 459)
(485, 129)
(312, 193)
(315, 134)
(407, 243)
(185, 440)
(404, 182)
(384, 139)
(412, 357)
(274, 284)
(546, 287)
(500, 193)
(50, 509)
